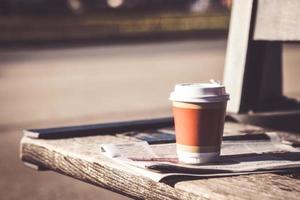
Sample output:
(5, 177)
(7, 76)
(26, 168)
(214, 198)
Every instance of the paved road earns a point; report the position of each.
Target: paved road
(91, 82)
(51, 86)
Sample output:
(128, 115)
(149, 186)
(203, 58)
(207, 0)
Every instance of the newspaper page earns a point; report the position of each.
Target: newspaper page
(237, 157)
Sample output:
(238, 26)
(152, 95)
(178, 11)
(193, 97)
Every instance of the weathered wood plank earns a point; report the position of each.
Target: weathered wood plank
(277, 20)
(236, 53)
(80, 158)
(262, 186)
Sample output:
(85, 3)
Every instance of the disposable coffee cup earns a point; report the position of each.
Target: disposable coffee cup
(199, 113)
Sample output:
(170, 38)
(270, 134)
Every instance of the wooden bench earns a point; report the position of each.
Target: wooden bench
(72, 156)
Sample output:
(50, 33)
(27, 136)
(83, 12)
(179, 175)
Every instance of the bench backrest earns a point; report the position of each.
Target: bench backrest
(253, 66)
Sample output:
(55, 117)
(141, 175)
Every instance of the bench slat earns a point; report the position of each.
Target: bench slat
(79, 158)
(277, 20)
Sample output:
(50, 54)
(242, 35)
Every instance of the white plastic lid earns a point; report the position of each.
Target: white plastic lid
(199, 92)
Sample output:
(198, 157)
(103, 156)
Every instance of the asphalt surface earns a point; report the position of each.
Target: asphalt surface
(43, 86)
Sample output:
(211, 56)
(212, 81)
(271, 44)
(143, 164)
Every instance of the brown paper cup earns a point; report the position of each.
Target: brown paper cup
(199, 130)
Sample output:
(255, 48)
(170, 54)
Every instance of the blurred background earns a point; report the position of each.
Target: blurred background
(71, 62)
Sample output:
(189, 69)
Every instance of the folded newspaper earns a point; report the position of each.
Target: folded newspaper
(159, 162)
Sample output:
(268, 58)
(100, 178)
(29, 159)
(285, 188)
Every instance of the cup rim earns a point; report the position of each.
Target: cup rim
(195, 99)
(199, 92)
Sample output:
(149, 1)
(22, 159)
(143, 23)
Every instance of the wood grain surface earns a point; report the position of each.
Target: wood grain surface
(262, 186)
(236, 53)
(80, 158)
(277, 20)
